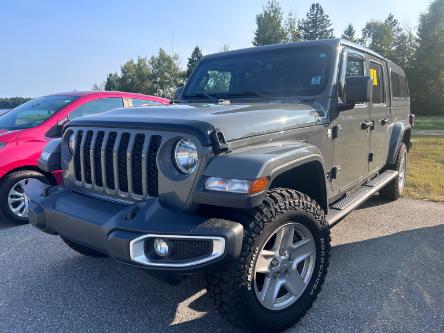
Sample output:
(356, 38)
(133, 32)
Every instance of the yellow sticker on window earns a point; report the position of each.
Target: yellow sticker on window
(374, 76)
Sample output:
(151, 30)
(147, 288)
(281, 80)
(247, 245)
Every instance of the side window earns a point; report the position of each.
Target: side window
(96, 106)
(396, 84)
(404, 87)
(378, 83)
(144, 102)
(355, 67)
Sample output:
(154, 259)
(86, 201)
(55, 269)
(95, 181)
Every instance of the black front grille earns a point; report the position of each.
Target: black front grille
(87, 157)
(137, 164)
(122, 166)
(119, 161)
(97, 158)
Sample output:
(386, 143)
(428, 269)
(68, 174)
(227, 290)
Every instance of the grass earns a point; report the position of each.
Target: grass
(429, 123)
(425, 173)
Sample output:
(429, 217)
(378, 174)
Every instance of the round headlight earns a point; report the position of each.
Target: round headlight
(72, 143)
(185, 156)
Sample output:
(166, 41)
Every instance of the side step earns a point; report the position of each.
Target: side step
(341, 208)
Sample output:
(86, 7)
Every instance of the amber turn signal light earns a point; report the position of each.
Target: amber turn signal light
(258, 185)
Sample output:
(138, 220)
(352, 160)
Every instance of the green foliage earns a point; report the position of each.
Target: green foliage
(350, 34)
(291, 29)
(428, 72)
(270, 29)
(158, 75)
(12, 102)
(166, 74)
(378, 36)
(193, 60)
(316, 25)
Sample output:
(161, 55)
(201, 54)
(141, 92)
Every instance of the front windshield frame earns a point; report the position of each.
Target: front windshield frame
(52, 105)
(189, 93)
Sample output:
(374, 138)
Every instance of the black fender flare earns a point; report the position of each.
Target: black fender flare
(254, 163)
(399, 129)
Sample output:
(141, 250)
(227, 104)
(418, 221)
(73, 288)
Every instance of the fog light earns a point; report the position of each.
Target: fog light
(161, 247)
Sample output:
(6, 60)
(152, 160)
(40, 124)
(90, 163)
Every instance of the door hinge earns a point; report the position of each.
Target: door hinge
(336, 131)
(370, 157)
(333, 173)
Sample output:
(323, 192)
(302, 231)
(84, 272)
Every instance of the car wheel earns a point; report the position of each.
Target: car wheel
(395, 188)
(13, 200)
(86, 251)
(282, 266)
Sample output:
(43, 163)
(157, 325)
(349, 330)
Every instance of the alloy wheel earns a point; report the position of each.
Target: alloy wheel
(284, 266)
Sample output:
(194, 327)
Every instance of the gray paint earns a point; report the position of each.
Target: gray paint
(266, 139)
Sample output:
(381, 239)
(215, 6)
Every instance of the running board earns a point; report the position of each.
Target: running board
(341, 208)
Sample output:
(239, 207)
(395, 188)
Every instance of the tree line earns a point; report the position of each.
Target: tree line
(419, 51)
(12, 102)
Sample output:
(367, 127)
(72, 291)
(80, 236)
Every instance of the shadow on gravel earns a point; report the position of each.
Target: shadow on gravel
(381, 284)
(7, 225)
(386, 284)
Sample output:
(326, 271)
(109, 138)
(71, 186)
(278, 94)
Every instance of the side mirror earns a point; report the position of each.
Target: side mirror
(178, 92)
(358, 89)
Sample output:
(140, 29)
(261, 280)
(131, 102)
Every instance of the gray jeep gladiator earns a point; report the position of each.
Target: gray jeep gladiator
(264, 150)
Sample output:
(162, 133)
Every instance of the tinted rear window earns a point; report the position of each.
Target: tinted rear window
(399, 86)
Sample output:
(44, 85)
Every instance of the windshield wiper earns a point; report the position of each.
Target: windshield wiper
(206, 95)
(252, 93)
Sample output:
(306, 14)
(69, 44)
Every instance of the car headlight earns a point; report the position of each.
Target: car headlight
(2, 144)
(185, 156)
(72, 143)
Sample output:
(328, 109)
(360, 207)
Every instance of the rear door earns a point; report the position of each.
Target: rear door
(380, 114)
(351, 146)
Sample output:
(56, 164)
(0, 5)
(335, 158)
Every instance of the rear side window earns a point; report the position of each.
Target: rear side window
(399, 85)
(96, 106)
(378, 83)
(144, 102)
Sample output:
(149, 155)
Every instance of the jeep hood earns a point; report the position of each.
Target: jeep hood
(236, 121)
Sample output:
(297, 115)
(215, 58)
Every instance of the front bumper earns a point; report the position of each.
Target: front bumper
(121, 231)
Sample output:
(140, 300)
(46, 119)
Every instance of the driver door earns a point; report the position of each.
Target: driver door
(352, 142)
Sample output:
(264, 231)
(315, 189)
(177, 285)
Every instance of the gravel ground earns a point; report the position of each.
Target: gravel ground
(386, 275)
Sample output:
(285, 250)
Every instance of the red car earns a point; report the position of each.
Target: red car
(25, 131)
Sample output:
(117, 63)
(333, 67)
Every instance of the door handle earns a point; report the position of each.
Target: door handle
(368, 124)
(385, 121)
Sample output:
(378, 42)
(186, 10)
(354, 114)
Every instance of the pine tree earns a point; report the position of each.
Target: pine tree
(291, 29)
(428, 84)
(269, 23)
(349, 34)
(316, 25)
(404, 48)
(193, 60)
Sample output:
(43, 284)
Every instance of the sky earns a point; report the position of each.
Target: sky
(50, 46)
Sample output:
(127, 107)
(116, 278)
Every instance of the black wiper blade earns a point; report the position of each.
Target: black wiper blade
(252, 93)
(207, 96)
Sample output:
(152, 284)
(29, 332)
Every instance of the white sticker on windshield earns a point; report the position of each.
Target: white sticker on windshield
(316, 80)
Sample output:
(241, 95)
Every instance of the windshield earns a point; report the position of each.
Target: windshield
(34, 112)
(287, 72)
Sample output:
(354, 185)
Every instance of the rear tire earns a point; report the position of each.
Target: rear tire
(393, 190)
(86, 251)
(13, 201)
(241, 291)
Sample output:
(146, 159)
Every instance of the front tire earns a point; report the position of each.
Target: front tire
(393, 191)
(13, 200)
(282, 266)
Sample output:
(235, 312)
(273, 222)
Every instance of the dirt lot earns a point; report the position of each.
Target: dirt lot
(386, 275)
